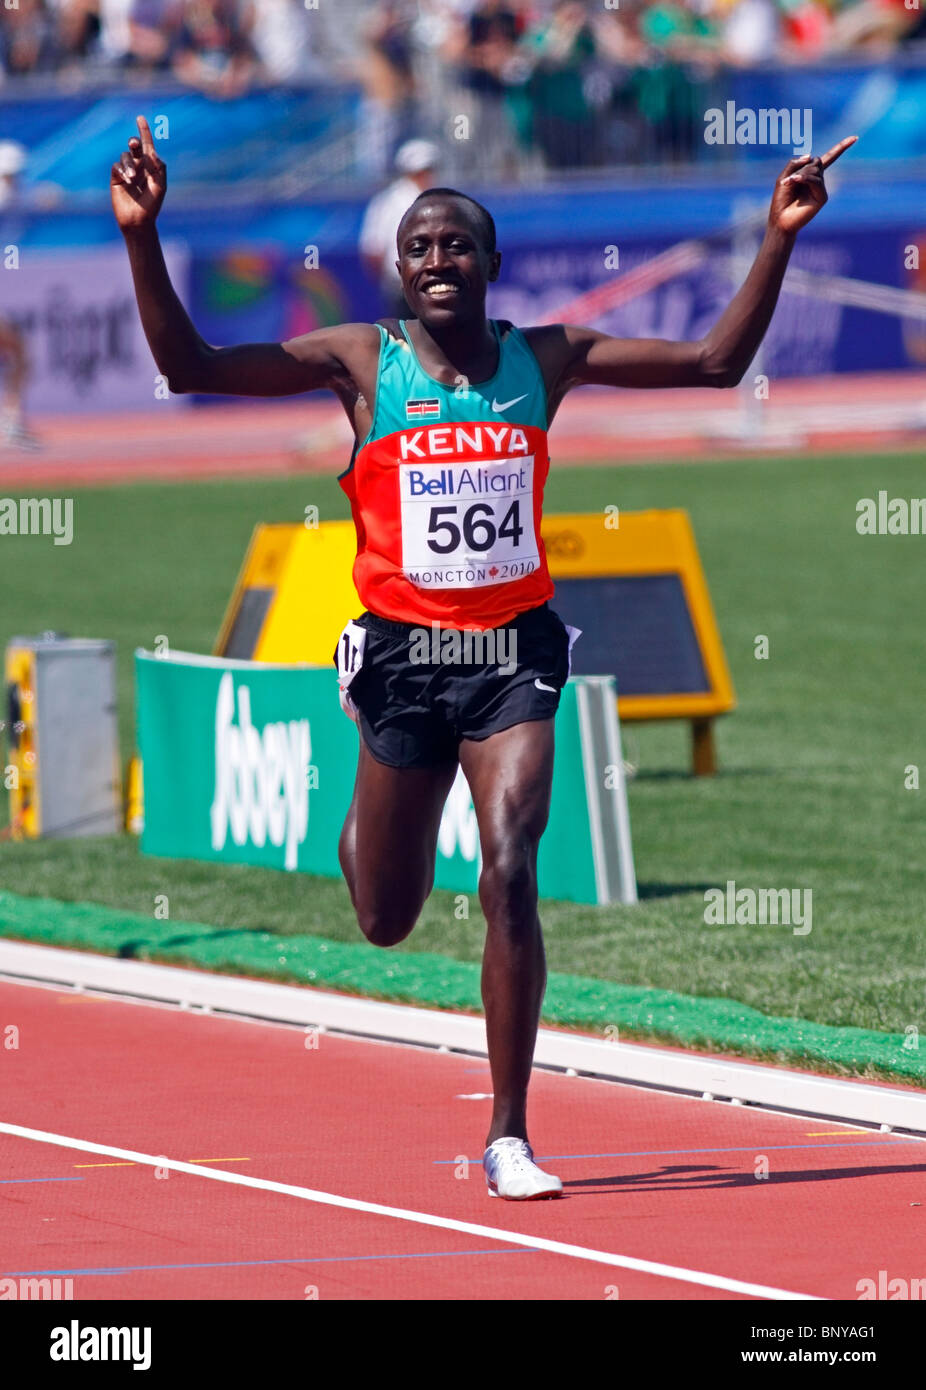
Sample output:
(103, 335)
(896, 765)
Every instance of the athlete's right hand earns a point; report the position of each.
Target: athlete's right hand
(138, 182)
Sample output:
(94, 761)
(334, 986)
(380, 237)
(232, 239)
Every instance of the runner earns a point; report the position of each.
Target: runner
(14, 361)
(450, 411)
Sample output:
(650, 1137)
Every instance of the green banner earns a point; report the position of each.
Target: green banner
(253, 763)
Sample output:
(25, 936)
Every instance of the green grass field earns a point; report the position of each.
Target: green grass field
(810, 792)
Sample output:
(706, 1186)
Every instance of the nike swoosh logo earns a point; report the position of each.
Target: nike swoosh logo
(504, 405)
(540, 686)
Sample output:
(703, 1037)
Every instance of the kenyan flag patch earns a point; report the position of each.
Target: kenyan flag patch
(427, 409)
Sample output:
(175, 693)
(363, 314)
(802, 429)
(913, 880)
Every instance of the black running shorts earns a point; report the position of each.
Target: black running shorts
(416, 691)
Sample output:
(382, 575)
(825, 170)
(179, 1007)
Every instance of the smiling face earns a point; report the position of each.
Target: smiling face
(444, 263)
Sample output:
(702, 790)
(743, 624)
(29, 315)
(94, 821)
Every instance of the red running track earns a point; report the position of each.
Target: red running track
(650, 1175)
(845, 414)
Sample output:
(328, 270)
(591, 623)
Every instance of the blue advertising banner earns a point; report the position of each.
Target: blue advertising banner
(266, 295)
(807, 337)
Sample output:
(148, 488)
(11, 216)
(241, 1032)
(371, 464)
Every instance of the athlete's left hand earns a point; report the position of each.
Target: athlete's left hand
(800, 192)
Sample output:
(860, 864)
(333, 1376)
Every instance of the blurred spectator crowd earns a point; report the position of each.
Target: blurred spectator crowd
(503, 85)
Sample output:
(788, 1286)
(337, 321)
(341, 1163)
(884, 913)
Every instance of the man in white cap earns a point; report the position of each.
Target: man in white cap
(13, 361)
(12, 163)
(415, 163)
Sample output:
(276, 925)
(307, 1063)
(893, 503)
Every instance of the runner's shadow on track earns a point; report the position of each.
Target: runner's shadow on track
(690, 1176)
(129, 949)
(671, 774)
(671, 890)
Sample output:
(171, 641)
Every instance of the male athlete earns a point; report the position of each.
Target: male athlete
(450, 412)
(14, 360)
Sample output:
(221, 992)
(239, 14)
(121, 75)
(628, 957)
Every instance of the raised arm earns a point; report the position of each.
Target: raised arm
(580, 356)
(138, 183)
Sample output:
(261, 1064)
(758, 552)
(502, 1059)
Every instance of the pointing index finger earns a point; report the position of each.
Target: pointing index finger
(832, 155)
(144, 130)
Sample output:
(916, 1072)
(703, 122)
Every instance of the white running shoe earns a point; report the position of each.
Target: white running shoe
(511, 1172)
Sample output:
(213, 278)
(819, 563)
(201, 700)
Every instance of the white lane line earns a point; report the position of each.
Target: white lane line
(330, 1199)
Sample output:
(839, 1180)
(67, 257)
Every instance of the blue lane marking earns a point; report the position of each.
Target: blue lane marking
(669, 1153)
(239, 1264)
(5, 1181)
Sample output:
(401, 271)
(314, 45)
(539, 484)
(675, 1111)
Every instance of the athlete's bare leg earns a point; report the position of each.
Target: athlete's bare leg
(13, 353)
(15, 369)
(389, 844)
(510, 775)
